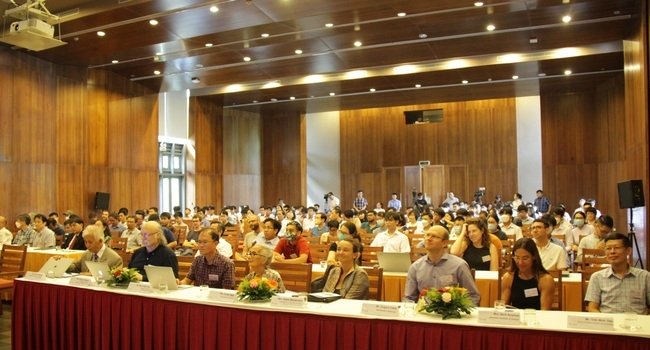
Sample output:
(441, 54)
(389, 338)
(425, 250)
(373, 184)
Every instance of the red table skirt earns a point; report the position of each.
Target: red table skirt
(60, 317)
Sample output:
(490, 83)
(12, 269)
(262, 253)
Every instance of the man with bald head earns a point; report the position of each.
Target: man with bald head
(438, 268)
(5, 235)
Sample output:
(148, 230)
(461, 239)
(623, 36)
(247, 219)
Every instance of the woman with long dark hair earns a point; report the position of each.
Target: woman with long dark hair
(527, 285)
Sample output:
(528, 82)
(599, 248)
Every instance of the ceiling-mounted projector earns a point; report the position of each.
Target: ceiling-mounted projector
(34, 31)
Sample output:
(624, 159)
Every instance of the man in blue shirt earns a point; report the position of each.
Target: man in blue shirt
(541, 203)
(394, 203)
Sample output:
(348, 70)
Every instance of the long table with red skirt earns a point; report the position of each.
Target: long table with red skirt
(54, 315)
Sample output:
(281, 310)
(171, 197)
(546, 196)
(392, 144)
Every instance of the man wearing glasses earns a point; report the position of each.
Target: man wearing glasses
(438, 268)
(154, 252)
(620, 287)
(210, 268)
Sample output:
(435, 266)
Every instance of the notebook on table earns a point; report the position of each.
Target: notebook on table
(55, 267)
(161, 274)
(394, 262)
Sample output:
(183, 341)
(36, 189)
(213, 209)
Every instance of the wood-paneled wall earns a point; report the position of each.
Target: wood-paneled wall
(284, 164)
(477, 135)
(69, 132)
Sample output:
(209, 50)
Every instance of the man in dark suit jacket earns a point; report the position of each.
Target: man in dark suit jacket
(93, 237)
(74, 239)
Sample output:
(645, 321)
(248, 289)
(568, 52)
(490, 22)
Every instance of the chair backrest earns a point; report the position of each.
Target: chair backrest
(296, 277)
(593, 258)
(376, 281)
(417, 252)
(241, 270)
(184, 264)
(319, 252)
(13, 258)
(313, 240)
(126, 257)
(369, 256)
(119, 243)
(584, 281)
(557, 295)
(414, 238)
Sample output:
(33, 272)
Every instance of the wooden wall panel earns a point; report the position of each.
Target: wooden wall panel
(479, 133)
(283, 162)
(143, 112)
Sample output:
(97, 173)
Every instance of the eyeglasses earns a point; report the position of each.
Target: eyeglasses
(431, 236)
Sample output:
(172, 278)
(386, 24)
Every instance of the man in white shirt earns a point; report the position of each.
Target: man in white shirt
(552, 255)
(133, 235)
(309, 221)
(507, 226)
(391, 239)
(331, 202)
(5, 235)
(394, 203)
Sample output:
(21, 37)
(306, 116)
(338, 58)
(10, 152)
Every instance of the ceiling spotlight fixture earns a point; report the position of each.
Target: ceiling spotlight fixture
(423, 36)
(292, 98)
(566, 19)
(568, 72)
(159, 53)
(465, 81)
(401, 14)
(214, 9)
(247, 59)
(153, 22)
(274, 99)
(357, 43)
(533, 40)
(372, 90)
(478, 3)
(329, 25)
(156, 72)
(208, 45)
(196, 80)
(115, 61)
(515, 77)
(264, 35)
(490, 27)
(541, 74)
(332, 94)
(298, 52)
(100, 33)
(418, 85)
(254, 101)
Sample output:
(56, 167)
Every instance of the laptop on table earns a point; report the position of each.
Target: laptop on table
(161, 274)
(55, 267)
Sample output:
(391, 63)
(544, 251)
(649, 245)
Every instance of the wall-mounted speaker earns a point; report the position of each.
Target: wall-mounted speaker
(101, 200)
(630, 194)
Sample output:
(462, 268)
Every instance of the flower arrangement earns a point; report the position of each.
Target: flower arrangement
(257, 288)
(122, 276)
(448, 302)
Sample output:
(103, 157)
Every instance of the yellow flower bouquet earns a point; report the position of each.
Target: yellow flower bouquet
(448, 302)
(257, 288)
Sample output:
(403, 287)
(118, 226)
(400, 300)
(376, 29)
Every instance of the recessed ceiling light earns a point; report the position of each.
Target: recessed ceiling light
(478, 3)
(533, 40)
(100, 33)
(292, 98)
(490, 27)
(264, 35)
(196, 80)
(274, 99)
(423, 36)
(115, 61)
(208, 45)
(329, 25)
(401, 14)
(247, 59)
(515, 77)
(254, 101)
(372, 90)
(541, 74)
(298, 52)
(159, 53)
(465, 81)
(271, 85)
(566, 19)
(357, 43)
(332, 94)
(418, 85)
(156, 72)
(214, 9)
(568, 72)
(153, 22)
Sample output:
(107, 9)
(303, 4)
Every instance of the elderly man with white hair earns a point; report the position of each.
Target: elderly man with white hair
(154, 251)
(96, 250)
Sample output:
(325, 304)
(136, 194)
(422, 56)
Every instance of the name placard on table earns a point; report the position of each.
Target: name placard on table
(140, 288)
(380, 309)
(35, 276)
(506, 317)
(224, 295)
(293, 300)
(601, 323)
(82, 281)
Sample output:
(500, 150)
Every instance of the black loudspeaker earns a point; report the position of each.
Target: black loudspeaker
(101, 200)
(630, 194)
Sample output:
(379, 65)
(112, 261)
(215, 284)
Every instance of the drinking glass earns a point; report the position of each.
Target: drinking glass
(162, 287)
(408, 307)
(500, 304)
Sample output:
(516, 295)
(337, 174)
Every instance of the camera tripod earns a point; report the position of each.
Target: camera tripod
(635, 244)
